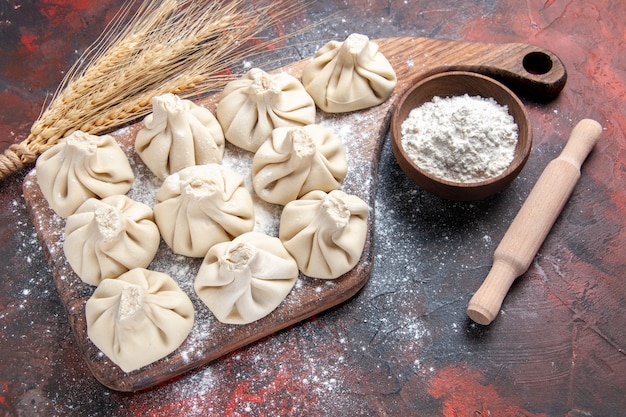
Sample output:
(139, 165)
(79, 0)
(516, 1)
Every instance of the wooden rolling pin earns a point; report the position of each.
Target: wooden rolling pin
(533, 222)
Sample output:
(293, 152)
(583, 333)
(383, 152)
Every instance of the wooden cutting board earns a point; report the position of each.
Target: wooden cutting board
(527, 69)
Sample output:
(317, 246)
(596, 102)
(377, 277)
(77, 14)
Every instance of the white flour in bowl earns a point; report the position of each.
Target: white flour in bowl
(460, 138)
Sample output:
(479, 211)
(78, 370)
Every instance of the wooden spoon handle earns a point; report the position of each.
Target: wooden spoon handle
(533, 222)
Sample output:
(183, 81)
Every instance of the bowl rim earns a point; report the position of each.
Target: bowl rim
(515, 165)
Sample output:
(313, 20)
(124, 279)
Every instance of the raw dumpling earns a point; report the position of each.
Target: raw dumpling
(200, 206)
(105, 238)
(350, 75)
(252, 106)
(296, 160)
(325, 233)
(138, 318)
(246, 279)
(178, 134)
(82, 166)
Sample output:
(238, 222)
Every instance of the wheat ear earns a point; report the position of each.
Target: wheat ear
(152, 47)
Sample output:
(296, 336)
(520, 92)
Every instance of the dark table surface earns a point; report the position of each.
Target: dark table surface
(403, 345)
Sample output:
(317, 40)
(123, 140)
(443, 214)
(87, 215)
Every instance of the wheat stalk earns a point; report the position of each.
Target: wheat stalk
(152, 47)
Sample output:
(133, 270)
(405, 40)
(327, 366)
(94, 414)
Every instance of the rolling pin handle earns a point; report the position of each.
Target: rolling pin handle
(486, 303)
(583, 138)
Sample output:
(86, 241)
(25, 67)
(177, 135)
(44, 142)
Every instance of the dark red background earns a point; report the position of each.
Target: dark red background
(403, 345)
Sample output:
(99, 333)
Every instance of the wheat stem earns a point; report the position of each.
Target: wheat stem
(152, 47)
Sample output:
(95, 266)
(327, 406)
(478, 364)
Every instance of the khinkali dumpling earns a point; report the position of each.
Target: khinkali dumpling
(350, 75)
(246, 279)
(296, 160)
(178, 134)
(82, 166)
(325, 233)
(200, 206)
(138, 318)
(105, 238)
(252, 106)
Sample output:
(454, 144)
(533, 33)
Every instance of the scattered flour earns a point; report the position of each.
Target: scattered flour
(461, 138)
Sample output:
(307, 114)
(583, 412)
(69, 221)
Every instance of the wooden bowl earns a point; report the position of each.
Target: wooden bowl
(456, 83)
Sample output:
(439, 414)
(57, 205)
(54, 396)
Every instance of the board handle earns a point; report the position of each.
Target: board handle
(533, 222)
(528, 70)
